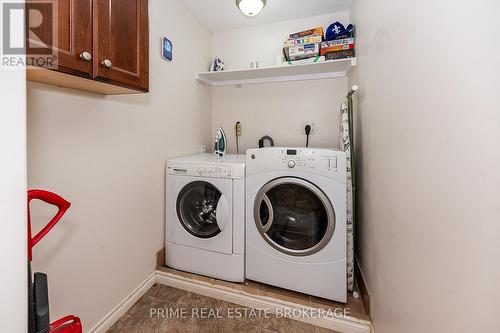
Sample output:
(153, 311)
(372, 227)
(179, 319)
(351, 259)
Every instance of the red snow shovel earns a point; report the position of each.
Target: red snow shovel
(38, 299)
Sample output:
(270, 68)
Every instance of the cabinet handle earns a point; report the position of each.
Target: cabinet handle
(85, 56)
(107, 63)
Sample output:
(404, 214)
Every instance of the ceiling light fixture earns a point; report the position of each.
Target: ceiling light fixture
(251, 7)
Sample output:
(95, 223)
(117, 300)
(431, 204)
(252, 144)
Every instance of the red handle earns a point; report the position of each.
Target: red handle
(50, 198)
(68, 324)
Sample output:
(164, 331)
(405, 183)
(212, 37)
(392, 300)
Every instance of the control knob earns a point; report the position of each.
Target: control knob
(291, 164)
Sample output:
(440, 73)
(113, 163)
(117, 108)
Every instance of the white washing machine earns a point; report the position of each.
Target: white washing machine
(296, 220)
(205, 232)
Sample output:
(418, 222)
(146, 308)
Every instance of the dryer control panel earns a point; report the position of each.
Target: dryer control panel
(325, 162)
(309, 159)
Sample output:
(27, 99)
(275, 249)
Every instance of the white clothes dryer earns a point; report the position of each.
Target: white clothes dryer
(296, 220)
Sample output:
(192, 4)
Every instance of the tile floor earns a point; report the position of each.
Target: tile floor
(355, 306)
(139, 320)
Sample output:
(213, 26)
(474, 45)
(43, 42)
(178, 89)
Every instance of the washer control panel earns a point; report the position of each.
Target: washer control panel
(207, 165)
(214, 172)
(206, 171)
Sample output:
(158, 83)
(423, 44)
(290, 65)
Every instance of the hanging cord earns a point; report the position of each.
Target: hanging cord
(307, 129)
(237, 130)
(266, 138)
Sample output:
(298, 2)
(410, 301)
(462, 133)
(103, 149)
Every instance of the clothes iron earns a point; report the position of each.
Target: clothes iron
(220, 142)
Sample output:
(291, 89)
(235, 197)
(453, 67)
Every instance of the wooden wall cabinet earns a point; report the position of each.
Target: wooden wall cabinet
(103, 47)
(75, 37)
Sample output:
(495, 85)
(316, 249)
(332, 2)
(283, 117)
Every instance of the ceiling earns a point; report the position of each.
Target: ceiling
(218, 15)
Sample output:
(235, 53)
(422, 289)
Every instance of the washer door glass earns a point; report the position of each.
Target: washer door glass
(294, 216)
(197, 209)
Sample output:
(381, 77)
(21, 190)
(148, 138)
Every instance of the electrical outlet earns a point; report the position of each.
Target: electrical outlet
(310, 123)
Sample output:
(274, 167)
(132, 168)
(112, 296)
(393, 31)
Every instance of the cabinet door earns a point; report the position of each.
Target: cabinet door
(75, 37)
(74, 34)
(121, 42)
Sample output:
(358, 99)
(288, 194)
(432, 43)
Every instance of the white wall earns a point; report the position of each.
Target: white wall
(276, 109)
(272, 109)
(13, 247)
(428, 130)
(107, 155)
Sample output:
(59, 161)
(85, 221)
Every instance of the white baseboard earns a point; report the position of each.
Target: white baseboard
(339, 324)
(115, 314)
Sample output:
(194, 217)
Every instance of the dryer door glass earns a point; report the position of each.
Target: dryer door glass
(294, 216)
(197, 209)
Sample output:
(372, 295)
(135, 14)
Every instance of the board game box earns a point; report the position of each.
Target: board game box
(302, 51)
(310, 32)
(304, 40)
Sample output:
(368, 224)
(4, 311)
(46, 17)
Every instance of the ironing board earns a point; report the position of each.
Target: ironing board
(345, 145)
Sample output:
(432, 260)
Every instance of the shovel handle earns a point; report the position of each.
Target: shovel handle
(68, 324)
(52, 199)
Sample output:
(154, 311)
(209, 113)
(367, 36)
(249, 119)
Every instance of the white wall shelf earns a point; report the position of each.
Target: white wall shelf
(313, 71)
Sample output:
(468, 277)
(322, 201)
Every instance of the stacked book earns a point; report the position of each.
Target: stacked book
(304, 46)
(338, 48)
